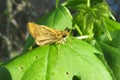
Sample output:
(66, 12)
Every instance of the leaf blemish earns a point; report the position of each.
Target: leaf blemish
(21, 67)
(76, 78)
(36, 57)
(67, 73)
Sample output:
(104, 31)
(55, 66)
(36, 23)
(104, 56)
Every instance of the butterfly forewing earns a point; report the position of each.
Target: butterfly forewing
(44, 35)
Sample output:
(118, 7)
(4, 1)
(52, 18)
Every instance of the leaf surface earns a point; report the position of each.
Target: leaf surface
(59, 62)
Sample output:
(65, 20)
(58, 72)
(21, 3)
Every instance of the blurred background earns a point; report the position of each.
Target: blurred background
(15, 14)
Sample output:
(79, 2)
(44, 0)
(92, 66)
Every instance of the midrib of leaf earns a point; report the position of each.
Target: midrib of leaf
(47, 64)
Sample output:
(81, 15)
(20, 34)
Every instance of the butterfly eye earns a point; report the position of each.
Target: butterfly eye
(64, 35)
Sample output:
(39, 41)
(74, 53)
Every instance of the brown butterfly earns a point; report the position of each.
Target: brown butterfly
(45, 35)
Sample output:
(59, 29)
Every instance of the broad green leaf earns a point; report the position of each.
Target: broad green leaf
(73, 59)
(112, 56)
(58, 19)
(111, 51)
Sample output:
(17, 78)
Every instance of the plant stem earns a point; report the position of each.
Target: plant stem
(88, 3)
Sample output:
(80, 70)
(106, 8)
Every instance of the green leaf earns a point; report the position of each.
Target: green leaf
(112, 56)
(105, 29)
(57, 3)
(4, 74)
(112, 25)
(28, 44)
(111, 51)
(58, 19)
(115, 39)
(73, 59)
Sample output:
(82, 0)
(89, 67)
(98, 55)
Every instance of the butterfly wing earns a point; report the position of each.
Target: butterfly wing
(42, 34)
